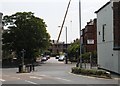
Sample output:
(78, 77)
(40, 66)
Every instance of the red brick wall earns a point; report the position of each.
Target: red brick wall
(90, 32)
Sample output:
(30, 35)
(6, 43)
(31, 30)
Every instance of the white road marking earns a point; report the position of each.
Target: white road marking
(35, 77)
(6, 75)
(62, 79)
(117, 78)
(15, 77)
(30, 82)
(2, 80)
(42, 75)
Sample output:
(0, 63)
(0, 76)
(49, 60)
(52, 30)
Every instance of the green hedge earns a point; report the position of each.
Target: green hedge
(91, 72)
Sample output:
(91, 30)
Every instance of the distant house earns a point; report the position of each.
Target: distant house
(89, 36)
(108, 36)
(57, 47)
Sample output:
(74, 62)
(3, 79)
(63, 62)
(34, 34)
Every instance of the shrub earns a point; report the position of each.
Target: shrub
(94, 72)
(76, 70)
(91, 72)
(100, 72)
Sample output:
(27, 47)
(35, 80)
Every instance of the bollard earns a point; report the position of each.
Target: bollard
(30, 67)
(77, 65)
(27, 68)
(20, 68)
(33, 67)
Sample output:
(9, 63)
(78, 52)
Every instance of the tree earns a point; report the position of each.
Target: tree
(73, 50)
(25, 31)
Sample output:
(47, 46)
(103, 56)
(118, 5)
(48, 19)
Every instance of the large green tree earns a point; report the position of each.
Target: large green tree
(25, 31)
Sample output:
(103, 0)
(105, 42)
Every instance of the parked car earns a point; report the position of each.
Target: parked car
(57, 57)
(48, 57)
(44, 59)
(61, 58)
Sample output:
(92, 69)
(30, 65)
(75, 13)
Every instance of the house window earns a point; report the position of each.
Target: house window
(90, 41)
(86, 29)
(116, 29)
(103, 32)
(99, 32)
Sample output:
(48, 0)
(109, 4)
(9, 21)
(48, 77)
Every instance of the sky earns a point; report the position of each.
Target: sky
(53, 11)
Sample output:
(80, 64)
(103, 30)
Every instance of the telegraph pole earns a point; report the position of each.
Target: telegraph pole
(66, 51)
(66, 61)
(80, 33)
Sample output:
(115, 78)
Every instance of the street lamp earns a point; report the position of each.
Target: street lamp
(66, 54)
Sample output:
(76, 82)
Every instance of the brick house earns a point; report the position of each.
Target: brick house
(57, 47)
(89, 36)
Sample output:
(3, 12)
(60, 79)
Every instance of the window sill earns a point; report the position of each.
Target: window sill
(116, 48)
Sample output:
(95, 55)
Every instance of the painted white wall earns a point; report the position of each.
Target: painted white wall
(119, 61)
(107, 57)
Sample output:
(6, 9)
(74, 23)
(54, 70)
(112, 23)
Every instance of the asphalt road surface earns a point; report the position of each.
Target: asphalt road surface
(51, 72)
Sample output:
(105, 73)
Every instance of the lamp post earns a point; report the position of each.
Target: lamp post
(66, 54)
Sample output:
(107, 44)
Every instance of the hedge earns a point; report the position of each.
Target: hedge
(91, 72)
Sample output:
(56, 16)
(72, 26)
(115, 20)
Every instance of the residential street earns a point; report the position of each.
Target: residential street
(51, 42)
(50, 72)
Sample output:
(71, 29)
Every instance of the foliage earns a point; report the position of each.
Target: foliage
(47, 52)
(94, 54)
(86, 56)
(25, 31)
(76, 70)
(73, 50)
(91, 72)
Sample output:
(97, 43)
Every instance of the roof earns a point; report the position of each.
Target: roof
(1, 13)
(103, 7)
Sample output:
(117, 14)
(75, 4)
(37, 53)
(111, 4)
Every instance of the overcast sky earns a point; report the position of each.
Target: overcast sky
(53, 11)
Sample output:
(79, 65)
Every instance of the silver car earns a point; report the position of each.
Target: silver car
(61, 58)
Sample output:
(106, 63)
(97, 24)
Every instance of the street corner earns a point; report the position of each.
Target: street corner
(92, 77)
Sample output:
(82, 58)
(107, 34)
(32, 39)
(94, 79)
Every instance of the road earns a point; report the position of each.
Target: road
(50, 72)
